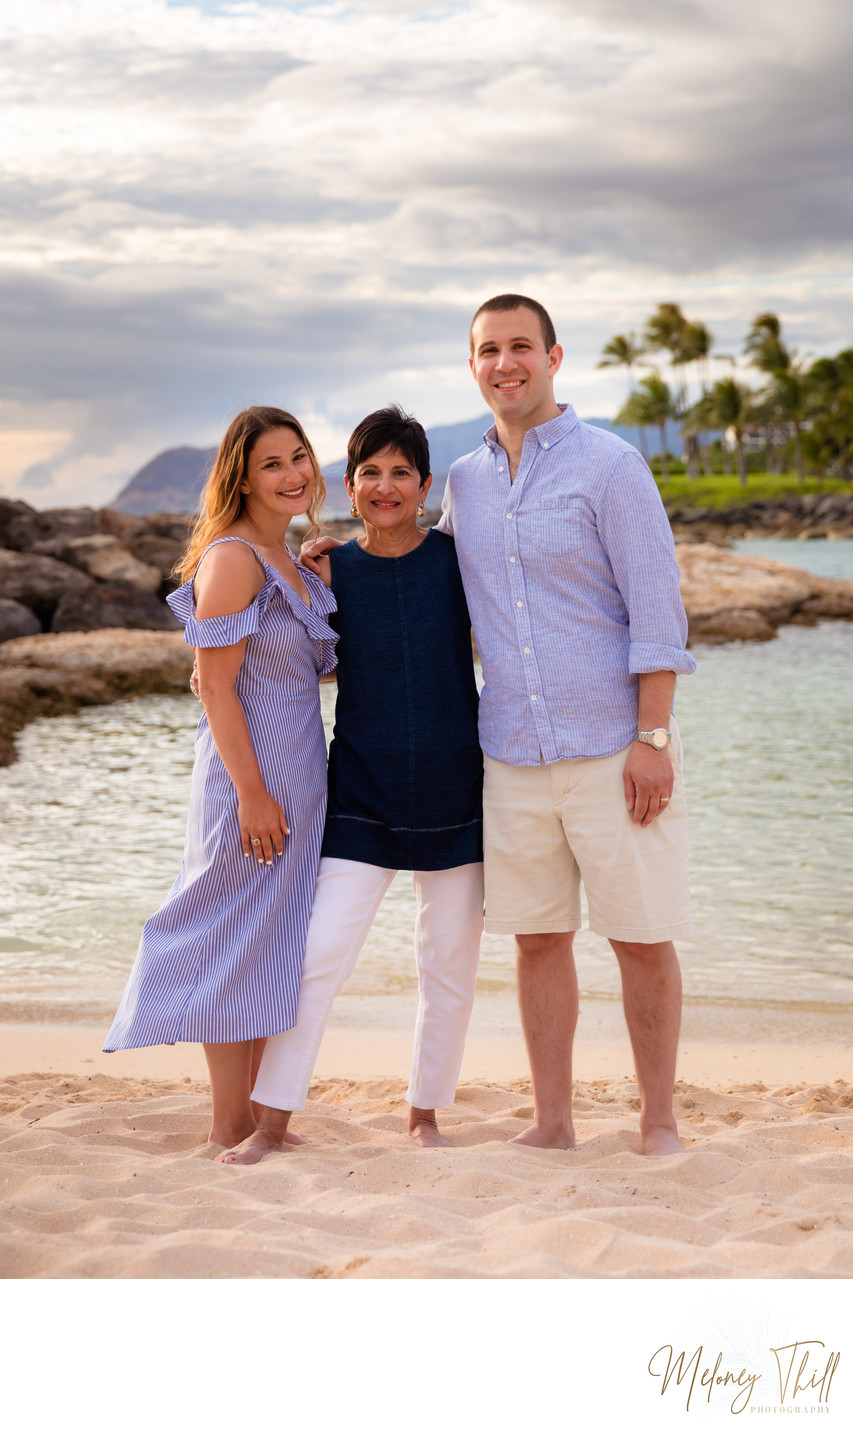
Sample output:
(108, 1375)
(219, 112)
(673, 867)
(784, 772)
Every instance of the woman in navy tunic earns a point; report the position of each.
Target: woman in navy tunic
(405, 767)
(220, 962)
(405, 783)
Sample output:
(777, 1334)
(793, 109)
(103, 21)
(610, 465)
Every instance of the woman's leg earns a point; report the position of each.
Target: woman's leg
(229, 1064)
(257, 1053)
(346, 899)
(448, 928)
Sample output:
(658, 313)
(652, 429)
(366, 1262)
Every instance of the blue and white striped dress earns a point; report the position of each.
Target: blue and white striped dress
(222, 958)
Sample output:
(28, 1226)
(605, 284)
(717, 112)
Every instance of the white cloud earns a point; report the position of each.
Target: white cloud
(213, 204)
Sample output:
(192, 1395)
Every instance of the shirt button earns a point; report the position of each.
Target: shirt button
(544, 445)
(527, 649)
(501, 468)
(519, 604)
(509, 514)
(512, 559)
(534, 699)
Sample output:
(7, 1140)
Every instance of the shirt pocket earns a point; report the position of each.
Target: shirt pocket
(556, 528)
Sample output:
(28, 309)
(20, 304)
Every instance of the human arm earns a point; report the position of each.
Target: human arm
(226, 586)
(636, 536)
(445, 522)
(635, 532)
(647, 774)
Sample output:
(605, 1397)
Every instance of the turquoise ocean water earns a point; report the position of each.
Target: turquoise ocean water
(93, 815)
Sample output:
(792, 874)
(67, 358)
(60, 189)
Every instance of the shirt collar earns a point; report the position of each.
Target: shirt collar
(547, 434)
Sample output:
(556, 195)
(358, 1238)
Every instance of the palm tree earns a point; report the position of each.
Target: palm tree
(829, 399)
(623, 351)
(685, 342)
(768, 353)
(651, 402)
(665, 331)
(696, 342)
(764, 344)
(788, 400)
(732, 406)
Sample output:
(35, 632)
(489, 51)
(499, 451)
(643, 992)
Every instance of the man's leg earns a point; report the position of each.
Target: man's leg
(548, 1001)
(651, 993)
(448, 928)
(533, 886)
(637, 887)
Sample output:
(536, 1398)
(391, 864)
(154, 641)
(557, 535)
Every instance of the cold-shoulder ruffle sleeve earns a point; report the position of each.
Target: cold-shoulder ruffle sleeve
(217, 631)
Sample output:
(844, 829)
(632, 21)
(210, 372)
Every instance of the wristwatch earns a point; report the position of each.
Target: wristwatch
(659, 738)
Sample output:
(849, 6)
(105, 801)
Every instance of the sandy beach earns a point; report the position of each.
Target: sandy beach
(106, 1173)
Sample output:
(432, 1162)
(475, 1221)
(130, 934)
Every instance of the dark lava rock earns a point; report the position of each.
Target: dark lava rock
(158, 540)
(18, 524)
(27, 530)
(112, 604)
(16, 620)
(38, 582)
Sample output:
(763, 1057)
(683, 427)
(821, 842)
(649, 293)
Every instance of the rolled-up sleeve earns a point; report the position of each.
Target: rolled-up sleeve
(635, 531)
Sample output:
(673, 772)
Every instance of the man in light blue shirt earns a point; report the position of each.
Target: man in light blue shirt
(570, 575)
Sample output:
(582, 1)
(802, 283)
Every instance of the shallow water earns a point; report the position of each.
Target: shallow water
(93, 818)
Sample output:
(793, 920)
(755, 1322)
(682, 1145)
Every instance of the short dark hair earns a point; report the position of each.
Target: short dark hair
(506, 303)
(388, 428)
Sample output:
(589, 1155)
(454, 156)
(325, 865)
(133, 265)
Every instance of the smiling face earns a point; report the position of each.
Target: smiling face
(279, 480)
(513, 369)
(386, 488)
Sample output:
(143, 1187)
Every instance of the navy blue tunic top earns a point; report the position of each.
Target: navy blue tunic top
(405, 766)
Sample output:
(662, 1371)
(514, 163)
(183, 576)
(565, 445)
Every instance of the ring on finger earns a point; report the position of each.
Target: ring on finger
(256, 840)
(664, 800)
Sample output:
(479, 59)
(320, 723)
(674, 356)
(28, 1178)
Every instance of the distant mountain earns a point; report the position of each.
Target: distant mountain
(172, 482)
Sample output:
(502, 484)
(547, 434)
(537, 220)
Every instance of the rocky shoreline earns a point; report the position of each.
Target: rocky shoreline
(734, 596)
(55, 674)
(806, 515)
(86, 569)
(728, 597)
(82, 570)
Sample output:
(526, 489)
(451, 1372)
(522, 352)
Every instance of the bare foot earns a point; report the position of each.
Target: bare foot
(424, 1130)
(253, 1149)
(542, 1137)
(661, 1139)
(428, 1136)
(230, 1134)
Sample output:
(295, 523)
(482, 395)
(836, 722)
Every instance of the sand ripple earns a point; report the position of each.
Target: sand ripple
(110, 1178)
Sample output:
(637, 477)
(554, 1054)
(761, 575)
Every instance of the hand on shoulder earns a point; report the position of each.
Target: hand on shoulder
(229, 578)
(315, 556)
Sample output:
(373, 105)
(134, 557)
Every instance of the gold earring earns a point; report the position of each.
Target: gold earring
(421, 509)
(354, 510)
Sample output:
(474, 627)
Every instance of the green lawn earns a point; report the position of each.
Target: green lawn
(721, 491)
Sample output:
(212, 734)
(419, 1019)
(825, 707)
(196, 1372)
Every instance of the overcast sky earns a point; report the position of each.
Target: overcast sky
(212, 204)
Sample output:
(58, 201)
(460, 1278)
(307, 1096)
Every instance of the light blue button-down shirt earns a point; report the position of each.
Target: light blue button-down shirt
(572, 586)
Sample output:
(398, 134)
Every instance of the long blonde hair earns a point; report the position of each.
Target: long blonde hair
(222, 502)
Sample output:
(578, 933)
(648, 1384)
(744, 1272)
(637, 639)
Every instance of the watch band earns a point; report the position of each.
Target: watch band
(659, 737)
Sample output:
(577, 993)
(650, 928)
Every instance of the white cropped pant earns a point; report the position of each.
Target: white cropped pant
(448, 926)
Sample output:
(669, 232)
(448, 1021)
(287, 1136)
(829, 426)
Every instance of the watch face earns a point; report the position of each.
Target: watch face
(659, 740)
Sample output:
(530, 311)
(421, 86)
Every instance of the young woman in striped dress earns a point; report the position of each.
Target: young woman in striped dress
(220, 962)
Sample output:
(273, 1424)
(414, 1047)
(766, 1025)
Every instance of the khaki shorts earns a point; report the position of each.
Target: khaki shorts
(549, 827)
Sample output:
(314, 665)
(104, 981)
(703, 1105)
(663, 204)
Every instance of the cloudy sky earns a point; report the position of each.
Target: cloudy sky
(210, 204)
